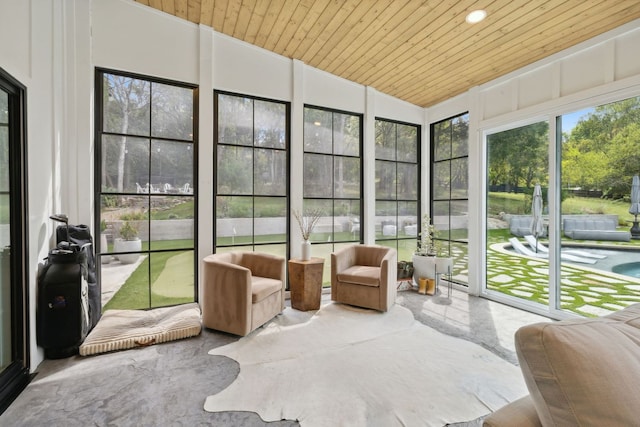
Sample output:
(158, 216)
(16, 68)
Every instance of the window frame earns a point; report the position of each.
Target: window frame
(100, 132)
(253, 147)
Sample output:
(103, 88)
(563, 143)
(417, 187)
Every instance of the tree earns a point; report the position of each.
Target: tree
(518, 157)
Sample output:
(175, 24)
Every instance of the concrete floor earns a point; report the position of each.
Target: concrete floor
(166, 384)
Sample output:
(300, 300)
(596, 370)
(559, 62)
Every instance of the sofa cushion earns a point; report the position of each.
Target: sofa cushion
(262, 287)
(583, 372)
(361, 275)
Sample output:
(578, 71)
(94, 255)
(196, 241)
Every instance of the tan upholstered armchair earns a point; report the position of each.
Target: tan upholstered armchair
(364, 275)
(241, 290)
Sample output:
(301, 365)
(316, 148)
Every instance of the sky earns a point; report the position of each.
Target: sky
(570, 120)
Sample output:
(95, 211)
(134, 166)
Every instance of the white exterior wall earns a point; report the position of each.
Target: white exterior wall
(601, 70)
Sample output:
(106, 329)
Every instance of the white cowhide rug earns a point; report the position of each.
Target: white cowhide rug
(343, 365)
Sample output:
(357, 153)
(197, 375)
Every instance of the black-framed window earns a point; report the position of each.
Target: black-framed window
(450, 191)
(146, 189)
(397, 185)
(332, 181)
(252, 173)
(14, 292)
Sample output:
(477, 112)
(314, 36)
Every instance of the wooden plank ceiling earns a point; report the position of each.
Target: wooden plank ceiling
(420, 51)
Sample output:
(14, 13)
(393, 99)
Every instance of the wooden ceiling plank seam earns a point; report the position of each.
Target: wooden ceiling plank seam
(193, 11)
(309, 29)
(373, 31)
(258, 15)
(405, 28)
(169, 6)
(268, 22)
(505, 48)
(206, 12)
(485, 59)
(342, 33)
(394, 50)
(156, 4)
(458, 44)
(318, 50)
(244, 17)
(181, 9)
(144, 2)
(487, 71)
(231, 17)
(441, 26)
(292, 27)
(310, 46)
(280, 24)
(219, 14)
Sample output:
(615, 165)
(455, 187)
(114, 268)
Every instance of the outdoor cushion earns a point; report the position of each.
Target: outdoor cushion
(583, 372)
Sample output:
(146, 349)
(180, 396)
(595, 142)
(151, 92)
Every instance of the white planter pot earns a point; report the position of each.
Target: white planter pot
(424, 266)
(306, 250)
(104, 259)
(121, 245)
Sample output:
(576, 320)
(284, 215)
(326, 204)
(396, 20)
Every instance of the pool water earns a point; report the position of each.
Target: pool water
(628, 269)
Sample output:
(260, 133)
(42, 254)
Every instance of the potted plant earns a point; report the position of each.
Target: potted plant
(105, 259)
(426, 251)
(128, 242)
(307, 223)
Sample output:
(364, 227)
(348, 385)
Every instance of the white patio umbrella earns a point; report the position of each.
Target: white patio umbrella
(537, 224)
(635, 197)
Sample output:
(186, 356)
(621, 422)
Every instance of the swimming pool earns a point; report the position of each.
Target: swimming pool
(628, 269)
(620, 261)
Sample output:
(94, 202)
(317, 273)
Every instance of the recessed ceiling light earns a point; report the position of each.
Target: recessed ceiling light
(476, 16)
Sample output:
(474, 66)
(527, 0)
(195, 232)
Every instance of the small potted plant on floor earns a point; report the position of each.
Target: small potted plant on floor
(426, 251)
(128, 242)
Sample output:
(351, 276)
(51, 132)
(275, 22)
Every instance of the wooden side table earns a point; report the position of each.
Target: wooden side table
(305, 279)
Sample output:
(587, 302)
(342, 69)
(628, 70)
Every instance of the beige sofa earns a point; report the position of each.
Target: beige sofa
(365, 276)
(582, 372)
(241, 290)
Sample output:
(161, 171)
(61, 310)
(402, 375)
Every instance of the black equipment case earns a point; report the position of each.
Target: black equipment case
(68, 298)
(63, 302)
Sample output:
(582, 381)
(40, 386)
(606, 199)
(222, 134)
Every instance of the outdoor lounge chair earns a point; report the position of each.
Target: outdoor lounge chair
(522, 249)
(531, 240)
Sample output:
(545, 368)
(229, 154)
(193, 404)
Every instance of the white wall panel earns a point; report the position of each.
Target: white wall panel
(388, 107)
(243, 68)
(15, 33)
(534, 87)
(326, 90)
(497, 100)
(131, 37)
(628, 55)
(583, 70)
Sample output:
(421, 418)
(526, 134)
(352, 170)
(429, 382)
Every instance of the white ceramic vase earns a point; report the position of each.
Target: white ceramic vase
(306, 250)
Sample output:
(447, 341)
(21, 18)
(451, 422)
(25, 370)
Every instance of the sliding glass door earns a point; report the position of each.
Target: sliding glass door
(563, 199)
(517, 164)
(14, 352)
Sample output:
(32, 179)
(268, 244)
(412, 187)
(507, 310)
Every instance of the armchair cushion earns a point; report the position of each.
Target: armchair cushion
(361, 275)
(262, 287)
